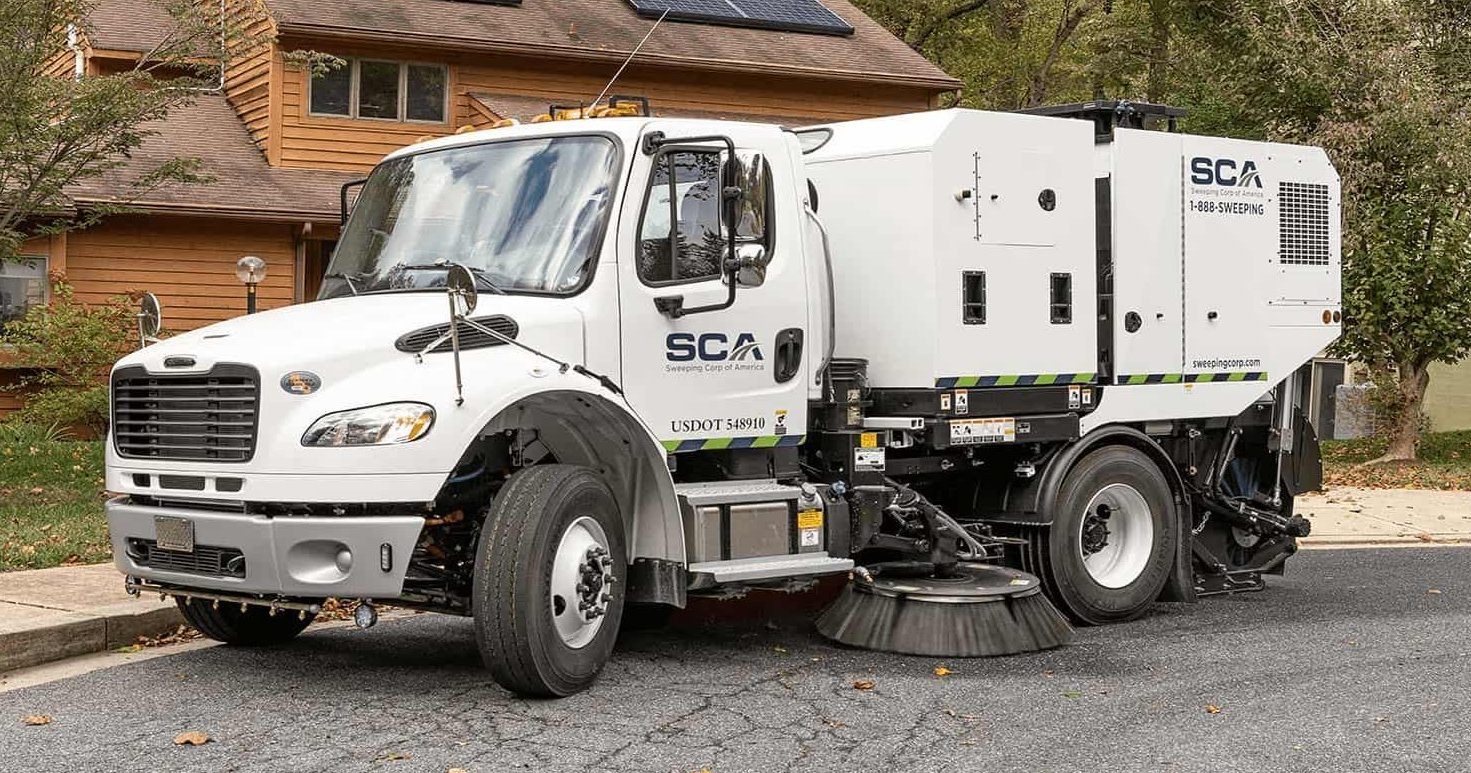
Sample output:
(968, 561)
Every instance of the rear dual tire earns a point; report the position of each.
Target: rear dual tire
(1112, 542)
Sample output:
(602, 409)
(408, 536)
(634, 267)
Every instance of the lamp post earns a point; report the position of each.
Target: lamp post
(252, 271)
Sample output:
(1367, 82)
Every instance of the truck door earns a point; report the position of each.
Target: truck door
(702, 374)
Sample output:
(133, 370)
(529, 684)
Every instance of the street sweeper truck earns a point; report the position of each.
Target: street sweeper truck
(1006, 373)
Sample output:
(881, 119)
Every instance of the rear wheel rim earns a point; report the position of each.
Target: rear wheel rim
(581, 588)
(1116, 535)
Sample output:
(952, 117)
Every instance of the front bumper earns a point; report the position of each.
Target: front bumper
(287, 555)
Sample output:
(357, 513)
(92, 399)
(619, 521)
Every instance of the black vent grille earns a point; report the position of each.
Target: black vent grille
(470, 338)
(1303, 230)
(208, 417)
(206, 560)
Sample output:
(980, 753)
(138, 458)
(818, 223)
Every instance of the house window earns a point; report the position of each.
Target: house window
(22, 286)
(385, 91)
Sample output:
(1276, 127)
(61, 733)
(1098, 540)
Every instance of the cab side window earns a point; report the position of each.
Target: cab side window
(682, 238)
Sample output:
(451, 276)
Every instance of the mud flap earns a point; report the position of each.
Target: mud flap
(1180, 586)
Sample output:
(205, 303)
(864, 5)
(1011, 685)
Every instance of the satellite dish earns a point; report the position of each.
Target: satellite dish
(150, 316)
(461, 284)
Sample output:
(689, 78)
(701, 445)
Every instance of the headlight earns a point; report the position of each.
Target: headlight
(378, 425)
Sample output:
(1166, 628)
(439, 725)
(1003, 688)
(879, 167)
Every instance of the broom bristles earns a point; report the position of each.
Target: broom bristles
(1004, 625)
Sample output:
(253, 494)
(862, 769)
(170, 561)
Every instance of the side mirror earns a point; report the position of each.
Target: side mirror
(150, 319)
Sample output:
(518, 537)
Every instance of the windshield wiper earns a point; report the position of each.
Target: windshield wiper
(480, 274)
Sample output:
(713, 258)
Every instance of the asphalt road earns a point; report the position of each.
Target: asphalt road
(1350, 663)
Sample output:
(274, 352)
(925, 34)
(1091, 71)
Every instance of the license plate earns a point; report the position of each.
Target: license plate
(174, 533)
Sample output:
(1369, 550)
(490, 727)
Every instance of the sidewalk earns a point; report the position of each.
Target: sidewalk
(50, 614)
(1346, 517)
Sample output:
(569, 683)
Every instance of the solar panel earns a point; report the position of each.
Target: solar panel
(787, 15)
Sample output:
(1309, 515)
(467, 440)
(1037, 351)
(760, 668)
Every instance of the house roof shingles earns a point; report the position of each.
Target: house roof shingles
(610, 29)
(243, 183)
(137, 26)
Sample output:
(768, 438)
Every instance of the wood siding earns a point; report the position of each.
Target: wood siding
(188, 262)
(308, 141)
(251, 73)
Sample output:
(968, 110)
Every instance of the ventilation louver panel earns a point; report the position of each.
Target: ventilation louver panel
(470, 338)
(197, 417)
(1303, 226)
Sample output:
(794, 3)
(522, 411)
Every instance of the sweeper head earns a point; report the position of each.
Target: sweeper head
(974, 610)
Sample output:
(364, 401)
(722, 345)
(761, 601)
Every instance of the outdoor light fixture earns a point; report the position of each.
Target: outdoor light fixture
(252, 271)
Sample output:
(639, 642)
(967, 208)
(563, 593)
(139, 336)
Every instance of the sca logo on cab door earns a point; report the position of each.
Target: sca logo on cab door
(710, 352)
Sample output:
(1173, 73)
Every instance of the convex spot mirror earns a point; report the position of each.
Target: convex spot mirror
(150, 318)
(462, 292)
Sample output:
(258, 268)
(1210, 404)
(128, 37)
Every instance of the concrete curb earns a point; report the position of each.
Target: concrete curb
(52, 614)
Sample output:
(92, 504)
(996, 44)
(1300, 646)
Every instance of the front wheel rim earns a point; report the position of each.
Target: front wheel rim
(581, 588)
(1116, 535)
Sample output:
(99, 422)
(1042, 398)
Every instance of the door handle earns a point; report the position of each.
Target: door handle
(788, 354)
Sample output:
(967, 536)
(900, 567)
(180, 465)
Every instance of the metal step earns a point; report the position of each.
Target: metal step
(771, 567)
(736, 492)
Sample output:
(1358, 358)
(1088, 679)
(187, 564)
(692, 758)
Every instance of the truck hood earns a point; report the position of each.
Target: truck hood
(348, 335)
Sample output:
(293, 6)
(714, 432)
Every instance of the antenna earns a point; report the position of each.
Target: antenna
(626, 62)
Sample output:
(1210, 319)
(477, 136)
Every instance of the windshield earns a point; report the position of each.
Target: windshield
(522, 215)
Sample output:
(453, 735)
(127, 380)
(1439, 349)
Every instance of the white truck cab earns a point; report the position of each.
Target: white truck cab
(561, 370)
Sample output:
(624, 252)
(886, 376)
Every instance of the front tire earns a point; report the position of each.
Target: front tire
(549, 578)
(1112, 542)
(252, 627)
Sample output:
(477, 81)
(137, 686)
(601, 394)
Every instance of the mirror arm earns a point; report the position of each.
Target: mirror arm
(342, 213)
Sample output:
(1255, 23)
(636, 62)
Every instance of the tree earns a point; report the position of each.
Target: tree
(1381, 87)
(1011, 53)
(57, 130)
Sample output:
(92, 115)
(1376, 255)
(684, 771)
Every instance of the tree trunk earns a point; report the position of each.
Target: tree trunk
(1404, 424)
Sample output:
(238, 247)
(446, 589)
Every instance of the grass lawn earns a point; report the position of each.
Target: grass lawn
(1444, 463)
(50, 501)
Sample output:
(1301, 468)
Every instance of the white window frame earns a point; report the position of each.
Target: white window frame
(45, 278)
(355, 87)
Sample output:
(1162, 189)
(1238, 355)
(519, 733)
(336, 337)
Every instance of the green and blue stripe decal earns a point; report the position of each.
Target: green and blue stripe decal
(1190, 378)
(721, 443)
(1029, 379)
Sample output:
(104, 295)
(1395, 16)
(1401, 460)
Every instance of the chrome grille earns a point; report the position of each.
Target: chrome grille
(470, 338)
(205, 559)
(189, 417)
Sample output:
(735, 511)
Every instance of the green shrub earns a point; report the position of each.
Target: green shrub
(67, 349)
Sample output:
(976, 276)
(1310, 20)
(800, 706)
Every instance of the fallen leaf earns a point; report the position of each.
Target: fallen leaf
(942, 671)
(958, 715)
(128, 649)
(863, 684)
(458, 770)
(1381, 720)
(1071, 694)
(191, 738)
(1424, 537)
(1211, 708)
(394, 756)
(834, 723)
(1049, 673)
(37, 719)
(1434, 591)
(38, 490)
(780, 650)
